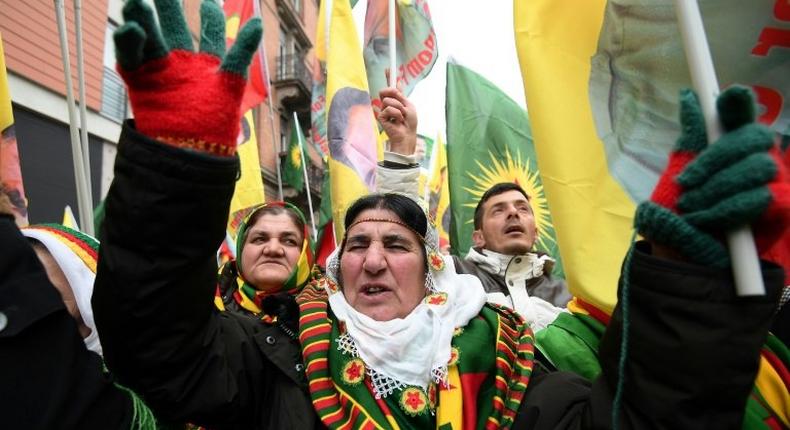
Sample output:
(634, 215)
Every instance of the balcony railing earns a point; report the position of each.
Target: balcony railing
(292, 67)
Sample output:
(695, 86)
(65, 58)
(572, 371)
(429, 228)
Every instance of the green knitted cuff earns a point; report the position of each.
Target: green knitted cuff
(664, 227)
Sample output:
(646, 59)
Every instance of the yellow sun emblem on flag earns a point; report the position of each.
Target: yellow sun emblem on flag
(296, 156)
(514, 170)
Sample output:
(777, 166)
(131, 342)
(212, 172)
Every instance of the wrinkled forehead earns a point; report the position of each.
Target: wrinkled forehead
(508, 197)
(275, 225)
(377, 224)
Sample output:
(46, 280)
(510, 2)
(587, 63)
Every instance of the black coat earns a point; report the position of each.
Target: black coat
(693, 345)
(165, 218)
(48, 378)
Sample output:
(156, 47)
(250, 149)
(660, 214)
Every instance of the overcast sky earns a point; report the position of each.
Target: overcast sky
(478, 35)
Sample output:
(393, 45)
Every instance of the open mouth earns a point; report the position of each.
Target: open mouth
(373, 290)
(514, 229)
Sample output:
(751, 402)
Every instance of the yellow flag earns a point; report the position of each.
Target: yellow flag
(591, 211)
(10, 167)
(439, 193)
(249, 187)
(69, 220)
(320, 34)
(351, 127)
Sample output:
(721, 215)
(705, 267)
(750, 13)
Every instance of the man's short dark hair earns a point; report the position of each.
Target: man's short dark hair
(496, 190)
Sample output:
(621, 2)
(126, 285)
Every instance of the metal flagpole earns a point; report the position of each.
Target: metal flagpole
(327, 25)
(262, 54)
(87, 223)
(426, 195)
(392, 46)
(743, 252)
(83, 204)
(306, 180)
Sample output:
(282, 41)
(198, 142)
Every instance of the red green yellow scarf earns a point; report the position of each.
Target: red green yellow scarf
(497, 342)
(244, 294)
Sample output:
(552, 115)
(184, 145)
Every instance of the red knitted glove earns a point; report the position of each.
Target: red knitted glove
(178, 96)
(737, 181)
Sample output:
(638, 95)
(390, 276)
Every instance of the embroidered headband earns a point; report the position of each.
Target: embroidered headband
(401, 223)
(430, 241)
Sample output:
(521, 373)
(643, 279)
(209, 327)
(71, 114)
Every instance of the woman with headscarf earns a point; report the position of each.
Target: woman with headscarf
(406, 341)
(274, 262)
(69, 258)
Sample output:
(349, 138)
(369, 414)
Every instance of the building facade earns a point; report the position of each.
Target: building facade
(37, 87)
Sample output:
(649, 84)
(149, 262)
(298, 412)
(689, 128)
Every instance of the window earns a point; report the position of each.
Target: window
(282, 51)
(297, 4)
(299, 51)
(284, 135)
(113, 93)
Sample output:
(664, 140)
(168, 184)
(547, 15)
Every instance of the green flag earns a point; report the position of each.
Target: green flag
(292, 164)
(489, 140)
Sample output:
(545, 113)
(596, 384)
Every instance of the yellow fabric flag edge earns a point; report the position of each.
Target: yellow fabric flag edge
(592, 213)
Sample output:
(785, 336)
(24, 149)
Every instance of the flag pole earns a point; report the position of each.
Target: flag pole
(743, 252)
(87, 223)
(83, 205)
(306, 180)
(327, 24)
(262, 54)
(426, 192)
(392, 46)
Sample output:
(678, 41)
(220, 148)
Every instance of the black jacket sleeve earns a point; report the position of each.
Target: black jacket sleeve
(49, 379)
(693, 344)
(166, 213)
(691, 358)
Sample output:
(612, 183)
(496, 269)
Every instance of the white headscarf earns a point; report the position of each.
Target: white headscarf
(415, 350)
(78, 273)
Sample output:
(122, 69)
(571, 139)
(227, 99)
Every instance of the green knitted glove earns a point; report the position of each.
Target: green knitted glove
(179, 96)
(731, 183)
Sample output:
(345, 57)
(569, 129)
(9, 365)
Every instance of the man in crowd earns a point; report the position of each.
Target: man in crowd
(512, 273)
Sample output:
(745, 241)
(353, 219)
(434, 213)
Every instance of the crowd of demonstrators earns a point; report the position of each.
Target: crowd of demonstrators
(393, 325)
(396, 335)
